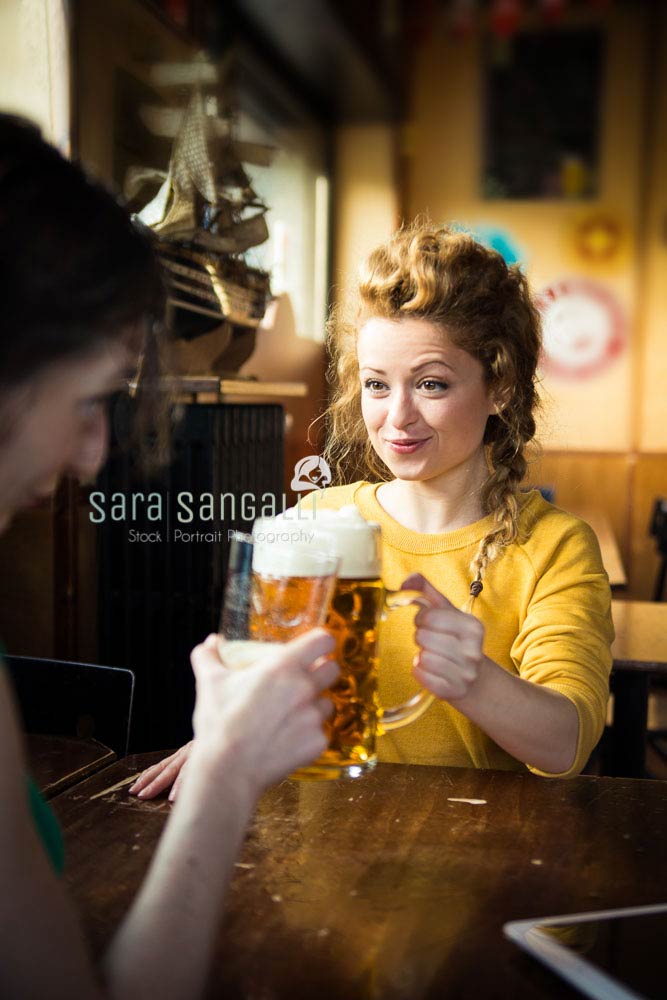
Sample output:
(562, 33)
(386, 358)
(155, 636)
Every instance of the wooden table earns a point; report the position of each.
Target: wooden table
(611, 555)
(387, 887)
(639, 650)
(58, 762)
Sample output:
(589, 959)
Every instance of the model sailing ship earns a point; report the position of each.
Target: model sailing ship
(205, 216)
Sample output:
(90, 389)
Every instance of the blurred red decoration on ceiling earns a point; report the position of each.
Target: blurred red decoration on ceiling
(462, 17)
(418, 22)
(505, 17)
(552, 10)
(178, 11)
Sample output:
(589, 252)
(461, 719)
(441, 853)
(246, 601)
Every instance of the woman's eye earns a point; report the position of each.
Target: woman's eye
(433, 385)
(373, 385)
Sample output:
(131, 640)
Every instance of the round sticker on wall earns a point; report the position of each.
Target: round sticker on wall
(583, 325)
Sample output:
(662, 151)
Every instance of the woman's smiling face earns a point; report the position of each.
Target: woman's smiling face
(424, 401)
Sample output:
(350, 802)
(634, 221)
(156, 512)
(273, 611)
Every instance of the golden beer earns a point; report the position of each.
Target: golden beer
(360, 601)
(284, 607)
(274, 590)
(355, 611)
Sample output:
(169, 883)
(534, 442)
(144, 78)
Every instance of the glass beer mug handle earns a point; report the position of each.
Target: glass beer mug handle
(409, 711)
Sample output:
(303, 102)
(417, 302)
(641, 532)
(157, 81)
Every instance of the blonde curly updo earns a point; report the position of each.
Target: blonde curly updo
(486, 309)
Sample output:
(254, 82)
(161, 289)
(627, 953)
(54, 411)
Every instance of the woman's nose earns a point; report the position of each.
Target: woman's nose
(402, 411)
(91, 447)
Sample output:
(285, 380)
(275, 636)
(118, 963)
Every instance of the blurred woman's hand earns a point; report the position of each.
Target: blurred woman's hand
(264, 720)
(167, 773)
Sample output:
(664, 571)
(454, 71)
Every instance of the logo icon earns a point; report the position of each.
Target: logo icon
(310, 473)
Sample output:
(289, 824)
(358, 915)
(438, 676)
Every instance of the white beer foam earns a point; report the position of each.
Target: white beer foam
(281, 550)
(237, 654)
(345, 532)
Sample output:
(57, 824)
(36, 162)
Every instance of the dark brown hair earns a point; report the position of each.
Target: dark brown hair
(74, 272)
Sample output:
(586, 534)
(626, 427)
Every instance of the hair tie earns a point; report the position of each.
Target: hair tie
(476, 588)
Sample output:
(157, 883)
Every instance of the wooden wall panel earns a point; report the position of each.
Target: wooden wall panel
(590, 479)
(625, 487)
(365, 201)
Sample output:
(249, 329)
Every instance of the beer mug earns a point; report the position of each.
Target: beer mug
(360, 601)
(276, 589)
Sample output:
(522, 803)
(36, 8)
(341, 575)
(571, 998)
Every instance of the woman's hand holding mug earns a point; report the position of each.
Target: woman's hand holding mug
(264, 721)
(450, 641)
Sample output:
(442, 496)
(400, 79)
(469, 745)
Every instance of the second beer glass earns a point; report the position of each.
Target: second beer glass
(277, 588)
(360, 601)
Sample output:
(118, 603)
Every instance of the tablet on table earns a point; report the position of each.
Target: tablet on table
(607, 955)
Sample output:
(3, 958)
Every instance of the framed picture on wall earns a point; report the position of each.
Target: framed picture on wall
(542, 100)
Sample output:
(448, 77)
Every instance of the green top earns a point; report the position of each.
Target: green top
(44, 819)
(47, 826)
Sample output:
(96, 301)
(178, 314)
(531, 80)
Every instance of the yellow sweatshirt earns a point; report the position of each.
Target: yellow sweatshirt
(545, 606)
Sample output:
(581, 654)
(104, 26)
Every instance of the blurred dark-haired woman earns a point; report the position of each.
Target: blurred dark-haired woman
(81, 299)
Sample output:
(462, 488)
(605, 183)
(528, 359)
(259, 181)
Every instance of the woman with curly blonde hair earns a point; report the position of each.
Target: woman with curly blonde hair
(448, 280)
(433, 407)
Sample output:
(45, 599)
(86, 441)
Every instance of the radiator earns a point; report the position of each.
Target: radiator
(160, 583)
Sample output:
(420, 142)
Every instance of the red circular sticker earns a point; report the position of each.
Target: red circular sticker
(583, 328)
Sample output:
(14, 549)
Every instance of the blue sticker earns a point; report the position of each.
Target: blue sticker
(496, 239)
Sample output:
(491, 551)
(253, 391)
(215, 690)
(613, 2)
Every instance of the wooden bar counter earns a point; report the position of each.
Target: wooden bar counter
(393, 886)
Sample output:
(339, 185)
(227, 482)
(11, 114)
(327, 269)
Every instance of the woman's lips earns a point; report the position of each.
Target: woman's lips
(406, 447)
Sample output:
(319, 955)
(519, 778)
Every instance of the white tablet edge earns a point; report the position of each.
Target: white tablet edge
(576, 969)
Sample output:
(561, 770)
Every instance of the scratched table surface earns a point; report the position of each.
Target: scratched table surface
(57, 762)
(396, 885)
